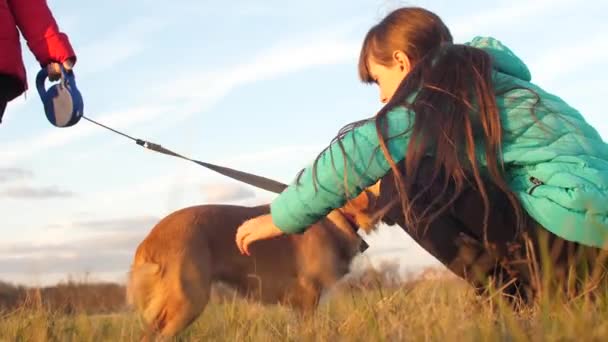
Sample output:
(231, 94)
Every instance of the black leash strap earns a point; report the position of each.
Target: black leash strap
(248, 178)
(251, 179)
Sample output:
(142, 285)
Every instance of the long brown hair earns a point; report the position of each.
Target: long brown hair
(451, 98)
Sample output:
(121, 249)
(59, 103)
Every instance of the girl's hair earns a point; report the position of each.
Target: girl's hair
(451, 98)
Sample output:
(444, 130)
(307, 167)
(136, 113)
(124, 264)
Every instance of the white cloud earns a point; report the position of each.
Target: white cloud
(508, 14)
(226, 192)
(32, 193)
(568, 59)
(106, 250)
(11, 174)
(277, 153)
(199, 90)
(15, 183)
(203, 89)
(108, 240)
(111, 225)
(103, 53)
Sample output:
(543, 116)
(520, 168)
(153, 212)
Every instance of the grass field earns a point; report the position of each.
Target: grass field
(424, 310)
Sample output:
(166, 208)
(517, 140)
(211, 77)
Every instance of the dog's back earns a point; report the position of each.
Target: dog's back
(176, 264)
(171, 275)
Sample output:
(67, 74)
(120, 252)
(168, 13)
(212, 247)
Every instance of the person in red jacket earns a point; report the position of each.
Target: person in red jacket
(49, 45)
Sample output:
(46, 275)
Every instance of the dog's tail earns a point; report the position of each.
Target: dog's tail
(167, 300)
(143, 291)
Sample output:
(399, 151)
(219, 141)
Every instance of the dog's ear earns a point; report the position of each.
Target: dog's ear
(361, 209)
(359, 203)
(366, 201)
(373, 193)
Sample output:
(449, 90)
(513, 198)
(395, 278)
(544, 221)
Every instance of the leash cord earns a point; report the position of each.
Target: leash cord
(108, 128)
(248, 178)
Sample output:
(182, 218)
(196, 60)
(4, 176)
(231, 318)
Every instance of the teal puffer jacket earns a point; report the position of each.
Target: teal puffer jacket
(556, 163)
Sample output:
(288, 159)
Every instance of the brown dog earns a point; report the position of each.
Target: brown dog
(191, 249)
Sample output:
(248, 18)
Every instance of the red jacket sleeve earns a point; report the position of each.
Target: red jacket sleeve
(38, 26)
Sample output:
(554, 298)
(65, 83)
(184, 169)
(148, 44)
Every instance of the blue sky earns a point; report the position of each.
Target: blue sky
(260, 86)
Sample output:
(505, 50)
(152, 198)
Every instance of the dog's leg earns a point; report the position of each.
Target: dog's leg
(149, 336)
(305, 296)
(189, 291)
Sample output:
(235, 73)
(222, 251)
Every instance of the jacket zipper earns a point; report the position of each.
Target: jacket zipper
(536, 183)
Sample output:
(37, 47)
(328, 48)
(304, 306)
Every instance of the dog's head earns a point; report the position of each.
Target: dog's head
(361, 210)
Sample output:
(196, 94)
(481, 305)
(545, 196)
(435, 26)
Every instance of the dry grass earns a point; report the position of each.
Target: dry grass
(441, 309)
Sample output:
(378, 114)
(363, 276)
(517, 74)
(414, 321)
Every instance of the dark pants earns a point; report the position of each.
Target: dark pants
(510, 258)
(2, 109)
(10, 87)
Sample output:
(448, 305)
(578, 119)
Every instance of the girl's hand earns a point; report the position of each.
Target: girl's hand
(255, 229)
(54, 69)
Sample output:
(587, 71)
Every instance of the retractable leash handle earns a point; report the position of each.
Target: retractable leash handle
(63, 104)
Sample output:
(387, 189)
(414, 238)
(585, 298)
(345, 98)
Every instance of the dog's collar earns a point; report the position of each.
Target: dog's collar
(363, 246)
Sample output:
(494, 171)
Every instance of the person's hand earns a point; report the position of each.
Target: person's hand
(259, 228)
(53, 69)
